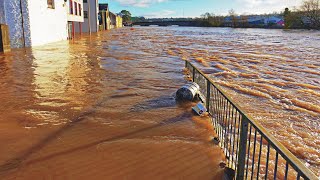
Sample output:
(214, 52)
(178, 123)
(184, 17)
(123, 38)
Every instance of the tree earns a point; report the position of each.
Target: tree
(138, 19)
(126, 16)
(244, 20)
(311, 11)
(292, 19)
(211, 20)
(234, 18)
(287, 18)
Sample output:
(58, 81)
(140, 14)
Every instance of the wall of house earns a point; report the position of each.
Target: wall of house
(73, 17)
(94, 22)
(16, 16)
(47, 24)
(119, 21)
(113, 20)
(37, 25)
(2, 15)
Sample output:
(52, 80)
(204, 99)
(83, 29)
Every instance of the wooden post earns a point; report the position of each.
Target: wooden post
(4, 38)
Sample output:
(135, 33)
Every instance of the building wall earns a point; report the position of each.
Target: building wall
(17, 19)
(119, 21)
(73, 17)
(113, 20)
(94, 22)
(35, 23)
(2, 15)
(47, 24)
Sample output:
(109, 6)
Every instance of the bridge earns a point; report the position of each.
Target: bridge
(167, 23)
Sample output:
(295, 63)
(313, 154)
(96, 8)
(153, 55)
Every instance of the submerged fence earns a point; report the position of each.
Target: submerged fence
(250, 150)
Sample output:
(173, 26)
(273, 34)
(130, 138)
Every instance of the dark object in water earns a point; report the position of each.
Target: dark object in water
(187, 92)
(216, 140)
(229, 173)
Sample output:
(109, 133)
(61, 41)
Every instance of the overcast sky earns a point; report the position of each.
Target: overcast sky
(194, 8)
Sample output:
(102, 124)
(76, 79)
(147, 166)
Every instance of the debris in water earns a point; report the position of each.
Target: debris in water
(187, 92)
(216, 140)
(199, 109)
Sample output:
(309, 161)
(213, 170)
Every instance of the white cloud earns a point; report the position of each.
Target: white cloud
(139, 3)
(266, 6)
(160, 14)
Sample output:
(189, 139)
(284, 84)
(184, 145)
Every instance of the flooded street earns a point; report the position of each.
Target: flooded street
(103, 106)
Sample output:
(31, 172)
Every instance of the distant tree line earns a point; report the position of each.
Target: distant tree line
(138, 19)
(306, 16)
(238, 21)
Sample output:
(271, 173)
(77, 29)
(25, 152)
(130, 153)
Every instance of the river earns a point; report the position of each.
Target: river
(274, 75)
(124, 80)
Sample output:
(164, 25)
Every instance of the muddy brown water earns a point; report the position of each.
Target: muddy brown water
(274, 75)
(100, 107)
(106, 101)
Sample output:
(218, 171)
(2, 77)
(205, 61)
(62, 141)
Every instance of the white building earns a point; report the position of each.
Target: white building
(91, 13)
(75, 16)
(37, 22)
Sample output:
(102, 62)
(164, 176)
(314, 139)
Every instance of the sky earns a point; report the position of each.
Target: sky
(194, 8)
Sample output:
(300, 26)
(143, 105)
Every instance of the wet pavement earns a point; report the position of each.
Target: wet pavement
(100, 107)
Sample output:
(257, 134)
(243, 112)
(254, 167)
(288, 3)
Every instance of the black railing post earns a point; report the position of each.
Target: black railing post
(208, 95)
(242, 148)
(193, 73)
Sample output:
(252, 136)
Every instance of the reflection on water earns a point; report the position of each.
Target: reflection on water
(123, 81)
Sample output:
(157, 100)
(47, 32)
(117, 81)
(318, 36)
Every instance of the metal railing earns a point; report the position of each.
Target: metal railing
(249, 149)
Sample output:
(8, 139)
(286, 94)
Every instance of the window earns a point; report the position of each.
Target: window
(85, 1)
(75, 8)
(50, 4)
(70, 6)
(80, 9)
(85, 14)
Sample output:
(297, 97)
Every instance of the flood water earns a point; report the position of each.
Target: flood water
(100, 107)
(274, 75)
(68, 106)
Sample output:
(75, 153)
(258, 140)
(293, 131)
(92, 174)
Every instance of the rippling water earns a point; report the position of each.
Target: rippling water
(113, 79)
(273, 74)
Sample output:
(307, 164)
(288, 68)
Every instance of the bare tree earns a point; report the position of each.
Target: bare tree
(244, 20)
(234, 18)
(210, 19)
(311, 10)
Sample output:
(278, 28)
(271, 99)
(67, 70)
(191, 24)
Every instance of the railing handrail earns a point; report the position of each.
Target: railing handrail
(279, 147)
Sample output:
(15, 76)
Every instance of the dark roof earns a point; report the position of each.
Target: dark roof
(103, 6)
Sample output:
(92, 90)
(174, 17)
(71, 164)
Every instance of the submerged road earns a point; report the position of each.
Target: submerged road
(100, 107)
